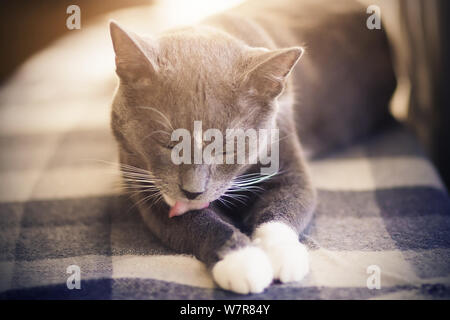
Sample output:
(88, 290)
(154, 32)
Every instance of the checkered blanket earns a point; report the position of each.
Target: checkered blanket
(383, 212)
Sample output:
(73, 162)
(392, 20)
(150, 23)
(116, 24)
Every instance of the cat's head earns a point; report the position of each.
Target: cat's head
(187, 75)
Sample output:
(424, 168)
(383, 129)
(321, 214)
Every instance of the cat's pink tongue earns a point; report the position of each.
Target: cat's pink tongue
(180, 208)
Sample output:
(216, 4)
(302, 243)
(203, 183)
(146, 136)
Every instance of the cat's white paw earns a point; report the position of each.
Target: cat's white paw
(290, 261)
(245, 270)
(289, 258)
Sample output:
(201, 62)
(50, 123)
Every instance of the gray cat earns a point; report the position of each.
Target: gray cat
(239, 68)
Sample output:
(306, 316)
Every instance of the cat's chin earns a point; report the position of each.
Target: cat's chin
(181, 207)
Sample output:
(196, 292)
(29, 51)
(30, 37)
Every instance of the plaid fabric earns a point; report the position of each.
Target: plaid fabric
(381, 203)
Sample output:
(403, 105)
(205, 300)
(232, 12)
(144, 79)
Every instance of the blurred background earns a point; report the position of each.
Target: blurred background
(418, 31)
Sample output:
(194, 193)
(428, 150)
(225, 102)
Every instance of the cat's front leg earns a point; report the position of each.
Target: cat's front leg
(237, 265)
(277, 219)
(244, 270)
(289, 258)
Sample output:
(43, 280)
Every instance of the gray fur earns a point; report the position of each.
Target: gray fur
(218, 72)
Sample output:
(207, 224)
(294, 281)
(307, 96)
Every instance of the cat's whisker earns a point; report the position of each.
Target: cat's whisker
(131, 169)
(140, 174)
(234, 197)
(237, 195)
(161, 114)
(145, 199)
(224, 201)
(133, 186)
(159, 198)
(285, 137)
(133, 189)
(163, 124)
(248, 188)
(254, 177)
(248, 175)
(138, 181)
(131, 175)
(240, 192)
(248, 183)
(136, 185)
(121, 165)
(139, 188)
(142, 180)
(155, 132)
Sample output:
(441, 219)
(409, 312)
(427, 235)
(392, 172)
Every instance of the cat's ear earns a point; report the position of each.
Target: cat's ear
(134, 56)
(268, 74)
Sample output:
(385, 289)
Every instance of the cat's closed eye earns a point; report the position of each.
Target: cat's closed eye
(163, 142)
(169, 145)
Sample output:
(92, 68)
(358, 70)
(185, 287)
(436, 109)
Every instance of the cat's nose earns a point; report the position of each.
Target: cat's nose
(191, 195)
